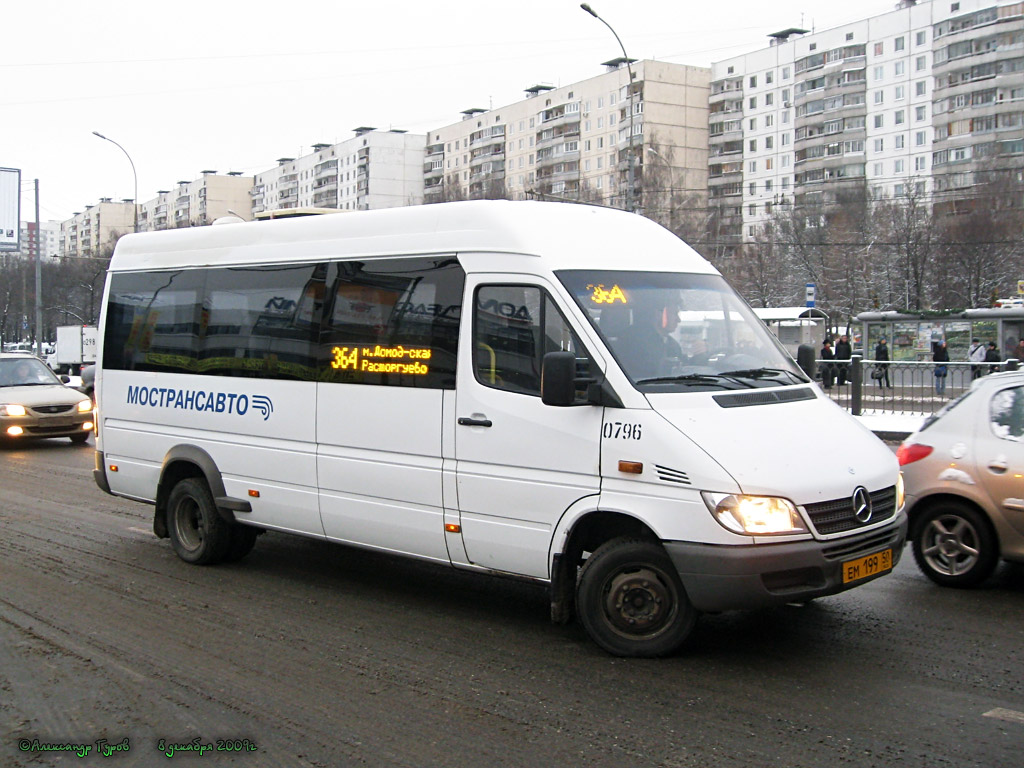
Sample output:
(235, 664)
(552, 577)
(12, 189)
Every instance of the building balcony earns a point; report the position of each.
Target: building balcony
(326, 183)
(288, 178)
(329, 167)
(326, 199)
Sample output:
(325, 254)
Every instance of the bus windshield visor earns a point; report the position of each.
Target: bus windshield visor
(681, 332)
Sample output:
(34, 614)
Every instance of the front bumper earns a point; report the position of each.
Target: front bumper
(724, 578)
(35, 427)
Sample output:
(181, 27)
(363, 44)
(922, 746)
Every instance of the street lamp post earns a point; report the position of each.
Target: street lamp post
(629, 91)
(135, 200)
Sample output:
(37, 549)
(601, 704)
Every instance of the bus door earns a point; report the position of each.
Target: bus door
(519, 463)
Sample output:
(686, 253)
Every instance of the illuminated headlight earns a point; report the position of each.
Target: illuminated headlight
(755, 515)
(84, 406)
(901, 494)
(11, 409)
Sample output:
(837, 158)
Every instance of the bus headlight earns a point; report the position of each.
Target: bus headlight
(755, 515)
(12, 409)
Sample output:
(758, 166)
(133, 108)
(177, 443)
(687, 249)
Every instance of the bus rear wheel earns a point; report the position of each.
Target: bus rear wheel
(631, 601)
(198, 533)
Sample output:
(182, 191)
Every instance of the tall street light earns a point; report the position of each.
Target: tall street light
(629, 152)
(135, 200)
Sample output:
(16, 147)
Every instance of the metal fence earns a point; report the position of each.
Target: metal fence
(904, 387)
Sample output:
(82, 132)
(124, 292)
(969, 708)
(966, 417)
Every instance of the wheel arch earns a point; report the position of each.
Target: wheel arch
(927, 503)
(181, 462)
(588, 531)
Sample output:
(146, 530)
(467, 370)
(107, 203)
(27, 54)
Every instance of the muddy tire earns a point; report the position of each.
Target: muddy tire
(631, 602)
(198, 533)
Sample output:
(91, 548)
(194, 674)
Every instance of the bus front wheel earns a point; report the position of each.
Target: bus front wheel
(631, 601)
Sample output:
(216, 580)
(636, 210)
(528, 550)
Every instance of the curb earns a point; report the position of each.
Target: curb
(892, 437)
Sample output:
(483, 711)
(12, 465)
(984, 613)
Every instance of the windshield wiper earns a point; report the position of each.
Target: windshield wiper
(758, 373)
(698, 378)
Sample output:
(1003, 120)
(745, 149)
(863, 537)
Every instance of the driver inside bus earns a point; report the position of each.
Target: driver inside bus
(647, 347)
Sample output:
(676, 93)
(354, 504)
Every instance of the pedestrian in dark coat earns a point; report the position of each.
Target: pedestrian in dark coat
(828, 369)
(941, 357)
(992, 356)
(882, 364)
(843, 351)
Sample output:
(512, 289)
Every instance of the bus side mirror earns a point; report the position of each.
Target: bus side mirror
(805, 357)
(558, 378)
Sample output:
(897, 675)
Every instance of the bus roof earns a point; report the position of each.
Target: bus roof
(566, 236)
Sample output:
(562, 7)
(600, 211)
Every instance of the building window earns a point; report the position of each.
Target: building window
(879, 145)
(898, 166)
(900, 140)
(769, 99)
(899, 94)
(899, 43)
(879, 97)
(769, 142)
(897, 68)
(879, 49)
(753, 102)
(900, 116)
(920, 38)
(753, 187)
(769, 77)
(921, 63)
(920, 163)
(878, 73)
(879, 121)
(753, 81)
(920, 138)
(753, 145)
(920, 113)
(920, 88)
(785, 73)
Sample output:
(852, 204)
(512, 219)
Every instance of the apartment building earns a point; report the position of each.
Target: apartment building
(49, 239)
(978, 103)
(823, 117)
(572, 142)
(375, 169)
(196, 203)
(92, 233)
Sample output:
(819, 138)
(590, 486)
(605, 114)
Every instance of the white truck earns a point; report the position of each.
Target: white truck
(76, 347)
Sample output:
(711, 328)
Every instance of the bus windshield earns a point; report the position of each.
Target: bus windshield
(676, 332)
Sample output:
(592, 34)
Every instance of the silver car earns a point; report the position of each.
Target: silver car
(964, 476)
(34, 403)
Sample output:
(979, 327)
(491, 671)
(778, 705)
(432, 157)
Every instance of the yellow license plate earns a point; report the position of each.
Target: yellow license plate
(871, 565)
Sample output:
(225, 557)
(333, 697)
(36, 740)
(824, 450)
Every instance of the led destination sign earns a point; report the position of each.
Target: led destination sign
(378, 359)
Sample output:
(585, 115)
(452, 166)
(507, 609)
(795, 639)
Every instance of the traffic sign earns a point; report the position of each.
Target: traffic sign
(809, 291)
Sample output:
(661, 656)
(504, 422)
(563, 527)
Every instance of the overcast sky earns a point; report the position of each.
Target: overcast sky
(193, 85)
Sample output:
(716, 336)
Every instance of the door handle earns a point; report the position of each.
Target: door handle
(998, 466)
(468, 422)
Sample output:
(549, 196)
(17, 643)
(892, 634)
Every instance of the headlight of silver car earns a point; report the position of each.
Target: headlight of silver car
(12, 409)
(84, 406)
(755, 515)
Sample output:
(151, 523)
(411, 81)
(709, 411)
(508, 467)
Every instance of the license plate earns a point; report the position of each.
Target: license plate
(862, 567)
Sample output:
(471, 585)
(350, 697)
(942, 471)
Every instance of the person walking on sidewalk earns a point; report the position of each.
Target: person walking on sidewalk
(976, 354)
(843, 352)
(828, 372)
(881, 372)
(941, 357)
(992, 356)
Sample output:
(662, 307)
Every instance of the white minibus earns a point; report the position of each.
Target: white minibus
(503, 387)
